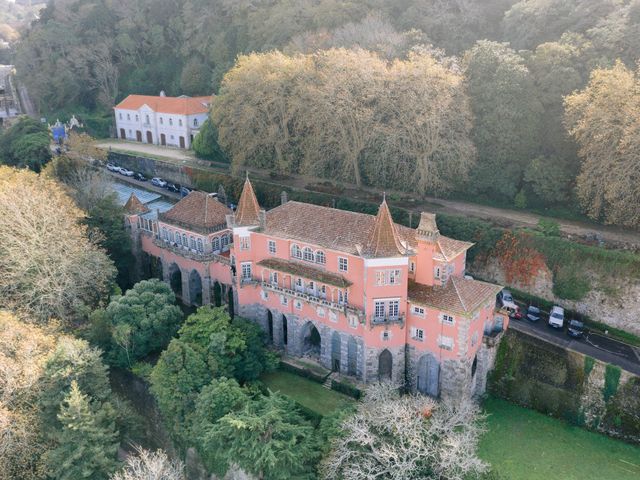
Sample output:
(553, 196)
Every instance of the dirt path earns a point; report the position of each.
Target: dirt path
(610, 236)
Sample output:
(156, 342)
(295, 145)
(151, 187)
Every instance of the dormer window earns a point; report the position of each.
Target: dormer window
(320, 257)
(308, 254)
(296, 252)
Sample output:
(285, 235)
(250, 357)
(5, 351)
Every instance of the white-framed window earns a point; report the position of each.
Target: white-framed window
(323, 291)
(380, 277)
(343, 264)
(311, 287)
(165, 235)
(445, 342)
(128, 117)
(296, 252)
(394, 308)
(272, 247)
(215, 244)
(412, 267)
(161, 121)
(171, 121)
(343, 297)
(386, 335)
(245, 243)
(388, 277)
(417, 334)
(379, 308)
(224, 240)
(185, 243)
(273, 278)
(419, 311)
(246, 270)
(195, 122)
(137, 118)
(171, 238)
(200, 245)
(353, 321)
(308, 254)
(284, 300)
(180, 121)
(192, 243)
(178, 239)
(447, 319)
(320, 257)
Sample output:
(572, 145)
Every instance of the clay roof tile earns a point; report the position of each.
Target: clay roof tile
(134, 206)
(248, 211)
(383, 240)
(198, 211)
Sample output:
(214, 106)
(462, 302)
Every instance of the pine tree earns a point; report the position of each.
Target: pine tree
(86, 444)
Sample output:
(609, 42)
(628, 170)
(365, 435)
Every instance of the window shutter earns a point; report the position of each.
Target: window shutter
(413, 332)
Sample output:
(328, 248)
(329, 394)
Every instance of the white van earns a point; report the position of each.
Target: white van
(556, 317)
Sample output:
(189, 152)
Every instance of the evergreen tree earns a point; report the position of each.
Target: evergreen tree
(86, 444)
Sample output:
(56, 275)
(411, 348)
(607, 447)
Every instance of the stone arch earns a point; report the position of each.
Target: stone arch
(428, 375)
(352, 356)
(336, 351)
(285, 333)
(270, 325)
(474, 366)
(195, 288)
(311, 341)
(175, 279)
(231, 303)
(385, 365)
(217, 294)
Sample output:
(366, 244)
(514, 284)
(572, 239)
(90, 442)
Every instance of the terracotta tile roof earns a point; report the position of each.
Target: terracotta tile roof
(384, 240)
(135, 206)
(305, 271)
(339, 230)
(197, 211)
(176, 105)
(451, 248)
(459, 295)
(248, 211)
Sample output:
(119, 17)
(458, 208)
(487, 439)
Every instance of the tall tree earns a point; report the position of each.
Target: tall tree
(87, 442)
(604, 119)
(50, 266)
(146, 465)
(507, 117)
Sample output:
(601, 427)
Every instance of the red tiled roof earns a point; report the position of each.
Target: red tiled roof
(248, 211)
(459, 295)
(176, 105)
(305, 271)
(135, 206)
(339, 230)
(383, 240)
(198, 211)
(451, 248)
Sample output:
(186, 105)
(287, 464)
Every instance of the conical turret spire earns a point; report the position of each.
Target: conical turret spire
(383, 239)
(135, 206)
(248, 211)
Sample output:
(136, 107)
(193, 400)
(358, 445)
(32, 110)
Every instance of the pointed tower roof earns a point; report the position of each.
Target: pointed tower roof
(384, 240)
(134, 206)
(248, 211)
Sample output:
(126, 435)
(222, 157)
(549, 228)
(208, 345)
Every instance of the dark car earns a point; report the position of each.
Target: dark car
(575, 329)
(172, 187)
(184, 191)
(141, 177)
(533, 313)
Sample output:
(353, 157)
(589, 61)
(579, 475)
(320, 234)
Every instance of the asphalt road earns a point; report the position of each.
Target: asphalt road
(593, 344)
(146, 185)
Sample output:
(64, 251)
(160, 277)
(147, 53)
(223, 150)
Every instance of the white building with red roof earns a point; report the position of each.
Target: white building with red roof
(357, 293)
(161, 120)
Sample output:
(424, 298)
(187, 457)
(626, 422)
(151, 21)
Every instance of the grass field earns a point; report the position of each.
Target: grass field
(522, 444)
(307, 393)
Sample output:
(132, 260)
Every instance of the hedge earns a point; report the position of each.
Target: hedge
(303, 372)
(346, 389)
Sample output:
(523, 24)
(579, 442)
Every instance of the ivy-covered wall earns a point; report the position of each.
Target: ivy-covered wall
(567, 384)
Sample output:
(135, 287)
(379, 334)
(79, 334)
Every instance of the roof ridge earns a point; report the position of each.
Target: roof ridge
(455, 285)
(248, 211)
(384, 240)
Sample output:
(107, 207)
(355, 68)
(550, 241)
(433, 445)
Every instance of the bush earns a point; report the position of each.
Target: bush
(589, 362)
(611, 381)
(347, 389)
(549, 228)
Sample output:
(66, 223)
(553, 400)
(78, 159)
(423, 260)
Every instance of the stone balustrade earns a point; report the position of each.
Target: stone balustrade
(191, 254)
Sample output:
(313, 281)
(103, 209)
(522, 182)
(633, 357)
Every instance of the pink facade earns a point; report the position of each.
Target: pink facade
(357, 293)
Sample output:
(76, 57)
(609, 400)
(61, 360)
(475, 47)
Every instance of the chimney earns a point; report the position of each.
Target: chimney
(162, 94)
(262, 216)
(284, 198)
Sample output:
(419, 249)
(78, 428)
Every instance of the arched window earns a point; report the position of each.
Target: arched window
(308, 254)
(195, 122)
(180, 121)
(192, 243)
(178, 239)
(296, 252)
(147, 119)
(185, 243)
(161, 121)
(165, 235)
(200, 246)
(320, 257)
(215, 244)
(171, 121)
(171, 236)
(225, 241)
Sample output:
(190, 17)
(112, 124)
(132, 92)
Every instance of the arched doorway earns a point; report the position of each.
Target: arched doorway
(149, 137)
(284, 330)
(163, 139)
(182, 144)
(217, 294)
(232, 310)
(195, 288)
(123, 135)
(352, 357)
(175, 279)
(428, 376)
(138, 136)
(311, 341)
(270, 325)
(336, 351)
(385, 365)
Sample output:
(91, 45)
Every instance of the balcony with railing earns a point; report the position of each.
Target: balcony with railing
(190, 253)
(387, 320)
(312, 296)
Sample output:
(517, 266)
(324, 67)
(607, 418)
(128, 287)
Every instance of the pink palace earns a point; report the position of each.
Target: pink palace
(357, 293)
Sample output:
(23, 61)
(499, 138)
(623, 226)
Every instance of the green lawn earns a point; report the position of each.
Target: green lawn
(522, 444)
(307, 393)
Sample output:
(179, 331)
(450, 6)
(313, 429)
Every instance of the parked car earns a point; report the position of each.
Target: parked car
(556, 318)
(172, 187)
(515, 313)
(505, 300)
(575, 329)
(139, 176)
(158, 182)
(184, 191)
(126, 173)
(533, 313)
(112, 167)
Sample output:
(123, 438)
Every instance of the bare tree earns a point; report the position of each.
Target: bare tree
(50, 268)
(406, 437)
(146, 465)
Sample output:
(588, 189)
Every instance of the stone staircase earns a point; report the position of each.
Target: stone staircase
(327, 381)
